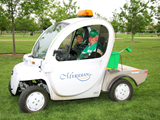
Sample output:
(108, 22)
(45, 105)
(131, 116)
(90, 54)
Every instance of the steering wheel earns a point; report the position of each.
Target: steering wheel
(72, 52)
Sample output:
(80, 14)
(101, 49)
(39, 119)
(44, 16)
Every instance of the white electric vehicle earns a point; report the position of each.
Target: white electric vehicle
(49, 72)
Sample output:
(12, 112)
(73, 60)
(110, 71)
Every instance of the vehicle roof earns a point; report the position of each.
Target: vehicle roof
(73, 20)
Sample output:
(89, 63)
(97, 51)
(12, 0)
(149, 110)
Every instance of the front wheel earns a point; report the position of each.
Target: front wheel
(33, 99)
(121, 90)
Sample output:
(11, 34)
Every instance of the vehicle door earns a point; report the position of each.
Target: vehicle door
(71, 77)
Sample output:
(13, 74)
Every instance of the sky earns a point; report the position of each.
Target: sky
(103, 7)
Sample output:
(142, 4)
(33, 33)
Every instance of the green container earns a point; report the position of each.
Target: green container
(114, 60)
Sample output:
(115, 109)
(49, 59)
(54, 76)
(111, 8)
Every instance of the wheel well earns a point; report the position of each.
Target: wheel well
(38, 82)
(122, 77)
(34, 82)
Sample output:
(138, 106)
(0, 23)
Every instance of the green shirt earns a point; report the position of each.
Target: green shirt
(88, 50)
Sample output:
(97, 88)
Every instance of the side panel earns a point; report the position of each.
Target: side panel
(94, 91)
(110, 78)
(76, 79)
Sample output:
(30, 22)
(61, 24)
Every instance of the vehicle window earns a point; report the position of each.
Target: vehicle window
(43, 43)
(98, 47)
(80, 30)
(72, 49)
(103, 38)
(72, 45)
(65, 48)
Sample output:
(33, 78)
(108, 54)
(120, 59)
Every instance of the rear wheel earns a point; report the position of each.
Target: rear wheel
(121, 90)
(33, 99)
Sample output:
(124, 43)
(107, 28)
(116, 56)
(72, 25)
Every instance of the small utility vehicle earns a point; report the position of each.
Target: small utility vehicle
(48, 72)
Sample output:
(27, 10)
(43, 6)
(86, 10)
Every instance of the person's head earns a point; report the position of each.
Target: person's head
(93, 36)
(79, 37)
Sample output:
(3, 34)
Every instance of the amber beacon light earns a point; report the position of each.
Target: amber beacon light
(85, 13)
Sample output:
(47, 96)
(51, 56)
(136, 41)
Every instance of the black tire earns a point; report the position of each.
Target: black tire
(33, 99)
(121, 90)
(9, 88)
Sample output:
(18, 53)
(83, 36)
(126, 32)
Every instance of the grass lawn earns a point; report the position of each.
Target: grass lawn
(136, 35)
(21, 33)
(21, 46)
(144, 105)
(19, 38)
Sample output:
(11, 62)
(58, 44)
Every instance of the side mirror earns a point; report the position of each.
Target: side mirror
(59, 51)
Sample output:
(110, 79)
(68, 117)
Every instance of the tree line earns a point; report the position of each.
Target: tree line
(137, 16)
(16, 14)
(36, 15)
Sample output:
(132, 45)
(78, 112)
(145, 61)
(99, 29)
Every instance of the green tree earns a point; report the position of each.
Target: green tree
(47, 23)
(16, 8)
(33, 26)
(26, 24)
(42, 10)
(115, 25)
(115, 21)
(68, 10)
(136, 14)
(158, 18)
(22, 24)
(3, 19)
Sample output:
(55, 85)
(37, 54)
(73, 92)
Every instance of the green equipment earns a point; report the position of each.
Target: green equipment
(114, 58)
(127, 48)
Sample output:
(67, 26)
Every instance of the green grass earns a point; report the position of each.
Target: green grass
(21, 33)
(9, 38)
(144, 105)
(21, 46)
(136, 35)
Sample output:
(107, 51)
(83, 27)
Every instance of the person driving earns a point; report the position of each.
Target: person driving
(75, 51)
(79, 37)
(90, 49)
(79, 46)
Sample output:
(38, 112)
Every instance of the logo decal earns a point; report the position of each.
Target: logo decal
(80, 77)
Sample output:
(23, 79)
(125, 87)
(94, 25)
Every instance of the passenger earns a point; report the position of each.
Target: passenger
(90, 49)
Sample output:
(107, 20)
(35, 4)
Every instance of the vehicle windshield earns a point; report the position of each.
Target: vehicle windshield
(43, 43)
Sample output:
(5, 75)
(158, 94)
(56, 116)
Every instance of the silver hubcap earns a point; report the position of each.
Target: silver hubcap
(122, 91)
(35, 101)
